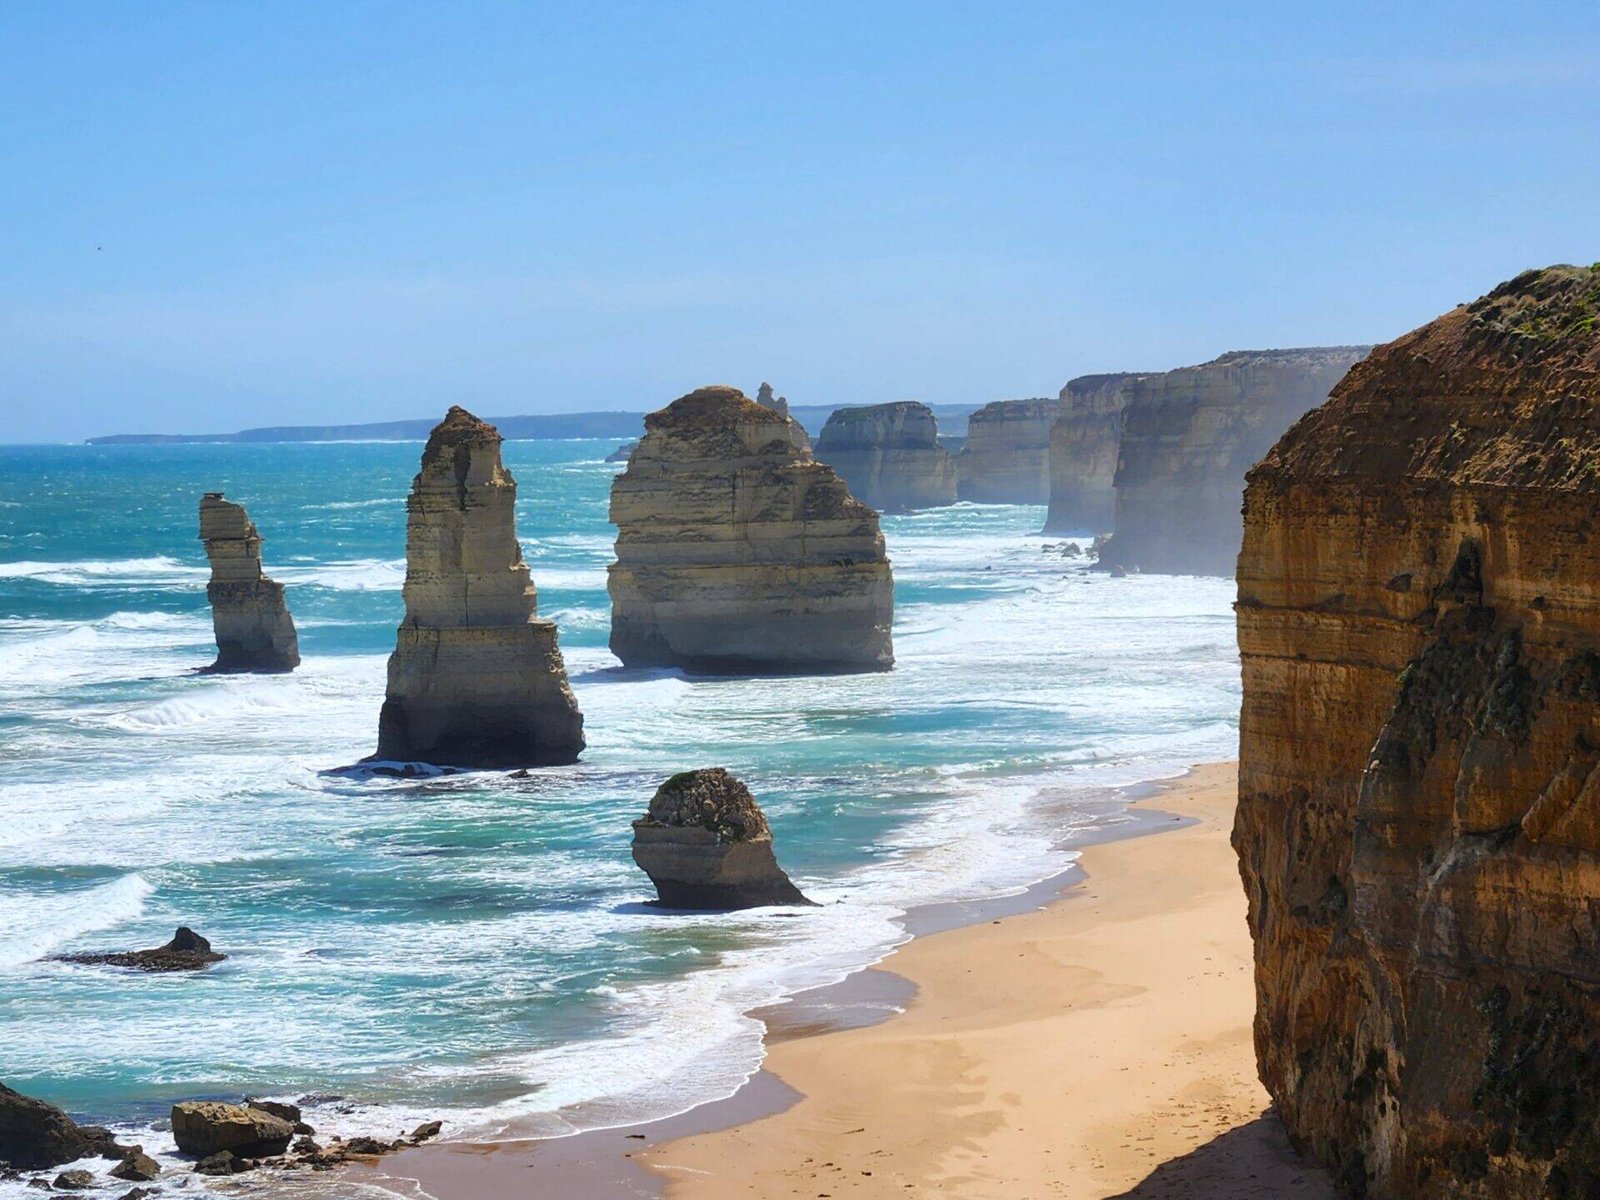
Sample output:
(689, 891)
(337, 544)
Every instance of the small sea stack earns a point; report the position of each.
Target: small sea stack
(739, 553)
(705, 844)
(476, 678)
(255, 632)
(187, 951)
(780, 405)
(1006, 459)
(890, 455)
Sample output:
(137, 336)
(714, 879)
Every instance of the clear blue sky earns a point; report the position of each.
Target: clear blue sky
(221, 215)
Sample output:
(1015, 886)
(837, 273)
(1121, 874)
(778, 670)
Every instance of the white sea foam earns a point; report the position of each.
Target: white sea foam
(32, 926)
(157, 571)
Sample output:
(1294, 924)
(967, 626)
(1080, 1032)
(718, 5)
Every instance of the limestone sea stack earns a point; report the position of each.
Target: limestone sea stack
(1007, 456)
(1084, 442)
(476, 678)
(705, 843)
(252, 622)
(1419, 784)
(890, 456)
(1188, 437)
(780, 404)
(737, 552)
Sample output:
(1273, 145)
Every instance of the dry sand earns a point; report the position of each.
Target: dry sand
(1099, 1047)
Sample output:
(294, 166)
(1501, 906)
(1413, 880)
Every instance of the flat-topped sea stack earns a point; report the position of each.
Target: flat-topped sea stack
(1084, 442)
(737, 552)
(1007, 456)
(1188, 437)
(705, 843)
(890, 456)
(1419, 807)
(254, 629)
(476, 678)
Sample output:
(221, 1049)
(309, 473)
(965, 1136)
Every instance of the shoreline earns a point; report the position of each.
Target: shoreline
(1098, 1046)
(632, 1160)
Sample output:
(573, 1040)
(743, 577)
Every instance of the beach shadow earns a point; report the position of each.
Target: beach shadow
(1248, 1162)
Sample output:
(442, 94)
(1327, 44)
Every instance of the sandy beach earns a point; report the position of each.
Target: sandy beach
(1098, 1047)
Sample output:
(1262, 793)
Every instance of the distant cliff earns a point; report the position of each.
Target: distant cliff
(1189, 436)
(1419, 782)
(1007, 455)
(1083, 454)
(890, 456)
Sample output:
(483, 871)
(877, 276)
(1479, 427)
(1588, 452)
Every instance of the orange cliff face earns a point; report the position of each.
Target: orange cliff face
(1419, 817)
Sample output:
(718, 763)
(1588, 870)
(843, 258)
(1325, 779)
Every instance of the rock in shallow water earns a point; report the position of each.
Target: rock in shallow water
(737, 552)
(254, 629)
(35, 1135)
(476, 679)
(206, 1127)
(1419, 805)
(187, 951)
(705, 843)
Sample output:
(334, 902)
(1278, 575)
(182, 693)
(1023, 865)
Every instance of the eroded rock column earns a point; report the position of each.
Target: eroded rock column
(254, 629)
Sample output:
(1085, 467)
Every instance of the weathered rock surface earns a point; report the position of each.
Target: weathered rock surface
(890, 456)
(738, 552)
(476, 679)
(1188, 437)
(252, 622)
(1419, 814)
(35, 1135)
(206, 1127)
(187, 951)
(73, 1181)
(136, 1167)
(705, 843)
(780, 405)
(1007, 456)
(1084, 442)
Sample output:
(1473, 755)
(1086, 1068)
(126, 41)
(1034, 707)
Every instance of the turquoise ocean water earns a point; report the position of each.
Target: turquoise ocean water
(475, 947)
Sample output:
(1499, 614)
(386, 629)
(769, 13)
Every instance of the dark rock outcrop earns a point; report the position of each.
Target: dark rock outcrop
(1084, 442)
(705, 843)
(187, 951)
(737, 552)
(890, 456)
(136, 1167)
(476, 678)
(35, 1135)
(252, 622)
(1007, 456)
(206, 1127)
(1188, 437)
(1419, 808)
(73, 1181)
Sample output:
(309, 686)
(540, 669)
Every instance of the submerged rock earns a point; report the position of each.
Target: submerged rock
(252, 622)
(1007, 455)
(890, 455)
(738, 552)
(35, 1135)
(705, 843)
(476, 678)
(187, 951)
(203, 1128)
(1419, 807)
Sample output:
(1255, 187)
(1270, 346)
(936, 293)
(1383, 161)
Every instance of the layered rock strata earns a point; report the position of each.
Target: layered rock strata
(738, 552)
(705, 843)
(890, 456)
(252, 622)
(1419, 812)
(1188, 437)
(1084, 443)
(1007, 456)
(476, 678)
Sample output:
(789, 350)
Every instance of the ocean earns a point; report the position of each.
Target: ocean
(476, 947)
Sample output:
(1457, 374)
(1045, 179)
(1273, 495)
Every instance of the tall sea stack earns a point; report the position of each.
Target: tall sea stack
(1419, 806)
(738, 552)
(1007, 456)
(1084, 442)
(476, 678)
(890, 455)
(254, 629)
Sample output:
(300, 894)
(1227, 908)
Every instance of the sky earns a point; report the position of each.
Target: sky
(214, 216)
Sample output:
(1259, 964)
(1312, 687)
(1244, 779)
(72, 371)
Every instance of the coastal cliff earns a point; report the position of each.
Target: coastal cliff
(254, 629)
(890, 456)
(1084, 442)
(1007, 456)
(1419, 814)
(1189, 436)
(738, 552)
(476, 679)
